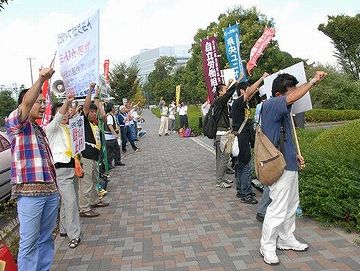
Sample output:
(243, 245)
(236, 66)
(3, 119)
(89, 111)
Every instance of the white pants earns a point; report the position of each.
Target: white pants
(164, 123)
(280, 214)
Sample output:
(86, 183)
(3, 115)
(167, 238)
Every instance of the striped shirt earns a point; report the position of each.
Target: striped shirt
(32, 167)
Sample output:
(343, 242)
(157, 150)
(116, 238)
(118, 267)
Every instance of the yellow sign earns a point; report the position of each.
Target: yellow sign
(177, 94)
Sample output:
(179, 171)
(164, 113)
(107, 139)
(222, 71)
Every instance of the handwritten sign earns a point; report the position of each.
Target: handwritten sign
(77, 134)
(79, 55)
(302, 105)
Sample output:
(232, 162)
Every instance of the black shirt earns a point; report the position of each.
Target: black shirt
(90, 152)
(221, 111)
(238, 111)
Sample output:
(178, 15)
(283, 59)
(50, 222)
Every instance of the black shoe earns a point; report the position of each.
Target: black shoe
(119, 164)
(230, 171)
(260, 217)
(63, 234)
(166, 134)
(249, 200)
(251, 195)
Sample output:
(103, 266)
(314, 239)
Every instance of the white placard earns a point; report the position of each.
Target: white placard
(227, 75)
(77, 134)
(297, 70)
(78, 49)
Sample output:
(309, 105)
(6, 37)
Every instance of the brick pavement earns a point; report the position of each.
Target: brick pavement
(165, 213)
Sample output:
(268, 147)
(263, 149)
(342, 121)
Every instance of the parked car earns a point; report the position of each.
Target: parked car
(5, 164)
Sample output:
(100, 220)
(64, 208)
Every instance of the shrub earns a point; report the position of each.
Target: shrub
(328, 115)
(330, 183)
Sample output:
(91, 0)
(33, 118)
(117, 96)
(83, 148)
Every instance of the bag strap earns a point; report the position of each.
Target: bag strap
(242, 125)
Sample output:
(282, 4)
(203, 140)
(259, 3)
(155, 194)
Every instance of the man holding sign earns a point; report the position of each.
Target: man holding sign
(275, 119)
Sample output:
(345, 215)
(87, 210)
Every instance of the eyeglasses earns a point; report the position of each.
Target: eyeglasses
(41, 102)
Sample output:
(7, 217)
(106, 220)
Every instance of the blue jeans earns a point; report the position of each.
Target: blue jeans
(243, 178)
(37, 217)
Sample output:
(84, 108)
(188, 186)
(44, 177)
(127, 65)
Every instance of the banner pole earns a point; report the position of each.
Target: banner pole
(295, 136)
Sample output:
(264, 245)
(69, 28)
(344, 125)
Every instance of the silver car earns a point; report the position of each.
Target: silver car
(5, 164)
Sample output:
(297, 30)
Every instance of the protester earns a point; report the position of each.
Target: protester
(161, 103)
(164, 120)
(33, 178)
(183, 119)
(88, 196)
(112, 131)
(58, 133)
(279, 222)
(172, 114)
(221, 114)
(125, 121)
(241, 118)
(258, 107)
(205, 107)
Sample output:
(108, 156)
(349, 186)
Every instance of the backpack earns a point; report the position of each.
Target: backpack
(269, 161)
(187, 132)
(210, 123)
(181, 132)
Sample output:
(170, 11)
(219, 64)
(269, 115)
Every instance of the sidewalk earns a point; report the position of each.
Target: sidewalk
(166, 213)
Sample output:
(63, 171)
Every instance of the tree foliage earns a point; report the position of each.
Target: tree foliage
(344, 31)
(7, 105)
(124, 81)
(191, 78)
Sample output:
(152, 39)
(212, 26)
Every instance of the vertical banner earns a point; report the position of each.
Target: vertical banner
(259, 47)
(106, 70)
(78, 49)
(46, 92)
(77, 134)
(211, 65)
(232, 45)
(177, 94)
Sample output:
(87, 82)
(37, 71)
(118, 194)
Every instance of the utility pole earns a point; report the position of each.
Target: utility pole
(32, 79)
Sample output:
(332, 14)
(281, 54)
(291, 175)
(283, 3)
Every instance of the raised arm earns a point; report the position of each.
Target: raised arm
(33, 93)
(64, 108)
(300, 91)
(87, 102)
(254, 87)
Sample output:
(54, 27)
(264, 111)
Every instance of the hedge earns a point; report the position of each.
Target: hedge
(330, 115)
(330, 182)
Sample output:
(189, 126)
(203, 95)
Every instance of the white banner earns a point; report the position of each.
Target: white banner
(78, 49)
(77, 134)
(297, 70)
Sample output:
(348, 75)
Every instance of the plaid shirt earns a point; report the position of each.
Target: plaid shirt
(32, 168)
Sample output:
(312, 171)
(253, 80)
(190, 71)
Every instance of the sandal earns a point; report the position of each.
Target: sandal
(74, 242)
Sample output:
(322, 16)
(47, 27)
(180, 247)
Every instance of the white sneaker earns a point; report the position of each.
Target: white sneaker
(270, 257)
(223, 185)
(294, 245)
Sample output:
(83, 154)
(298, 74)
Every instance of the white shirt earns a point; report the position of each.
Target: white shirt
(172, 111)
(205, 108)
(108, 134)
(182, 110)
(57, 139)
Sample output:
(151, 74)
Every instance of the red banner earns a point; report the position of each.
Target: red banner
(46, 93)
(211, 65)
(106, 70)
(259, 47)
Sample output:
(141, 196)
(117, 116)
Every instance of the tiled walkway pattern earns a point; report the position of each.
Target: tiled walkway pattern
(165, 213)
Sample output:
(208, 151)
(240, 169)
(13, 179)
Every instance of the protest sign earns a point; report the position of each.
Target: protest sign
(227, 75)
(177, 94)
(79, 55)
(211, 65)
(77, 134)
(232, 46)
(297, 70)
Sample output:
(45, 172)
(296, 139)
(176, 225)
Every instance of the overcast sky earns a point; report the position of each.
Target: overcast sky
(29, 28)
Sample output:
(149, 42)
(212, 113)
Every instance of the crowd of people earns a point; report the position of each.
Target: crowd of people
(280, 200)
(168, 116)
(48, 177)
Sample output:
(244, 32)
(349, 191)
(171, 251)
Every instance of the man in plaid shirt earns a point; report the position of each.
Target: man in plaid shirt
(33, 178)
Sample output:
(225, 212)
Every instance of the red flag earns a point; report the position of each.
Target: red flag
(259, 47)
(106, 70)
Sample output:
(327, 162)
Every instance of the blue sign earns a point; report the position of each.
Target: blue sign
(232, 45)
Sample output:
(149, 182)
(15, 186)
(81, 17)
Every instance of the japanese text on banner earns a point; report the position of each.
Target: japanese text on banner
(211, 65)
(79, 55)
(232, 45)
(77, 134)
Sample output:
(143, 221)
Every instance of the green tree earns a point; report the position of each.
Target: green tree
(7, 105)
(124, 81)
(344, 31)
(159, 82)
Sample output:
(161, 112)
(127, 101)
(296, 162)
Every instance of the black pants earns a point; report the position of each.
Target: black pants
(113, 151)
(184, 121)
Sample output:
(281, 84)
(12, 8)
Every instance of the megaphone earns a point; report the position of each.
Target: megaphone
(58, 88)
